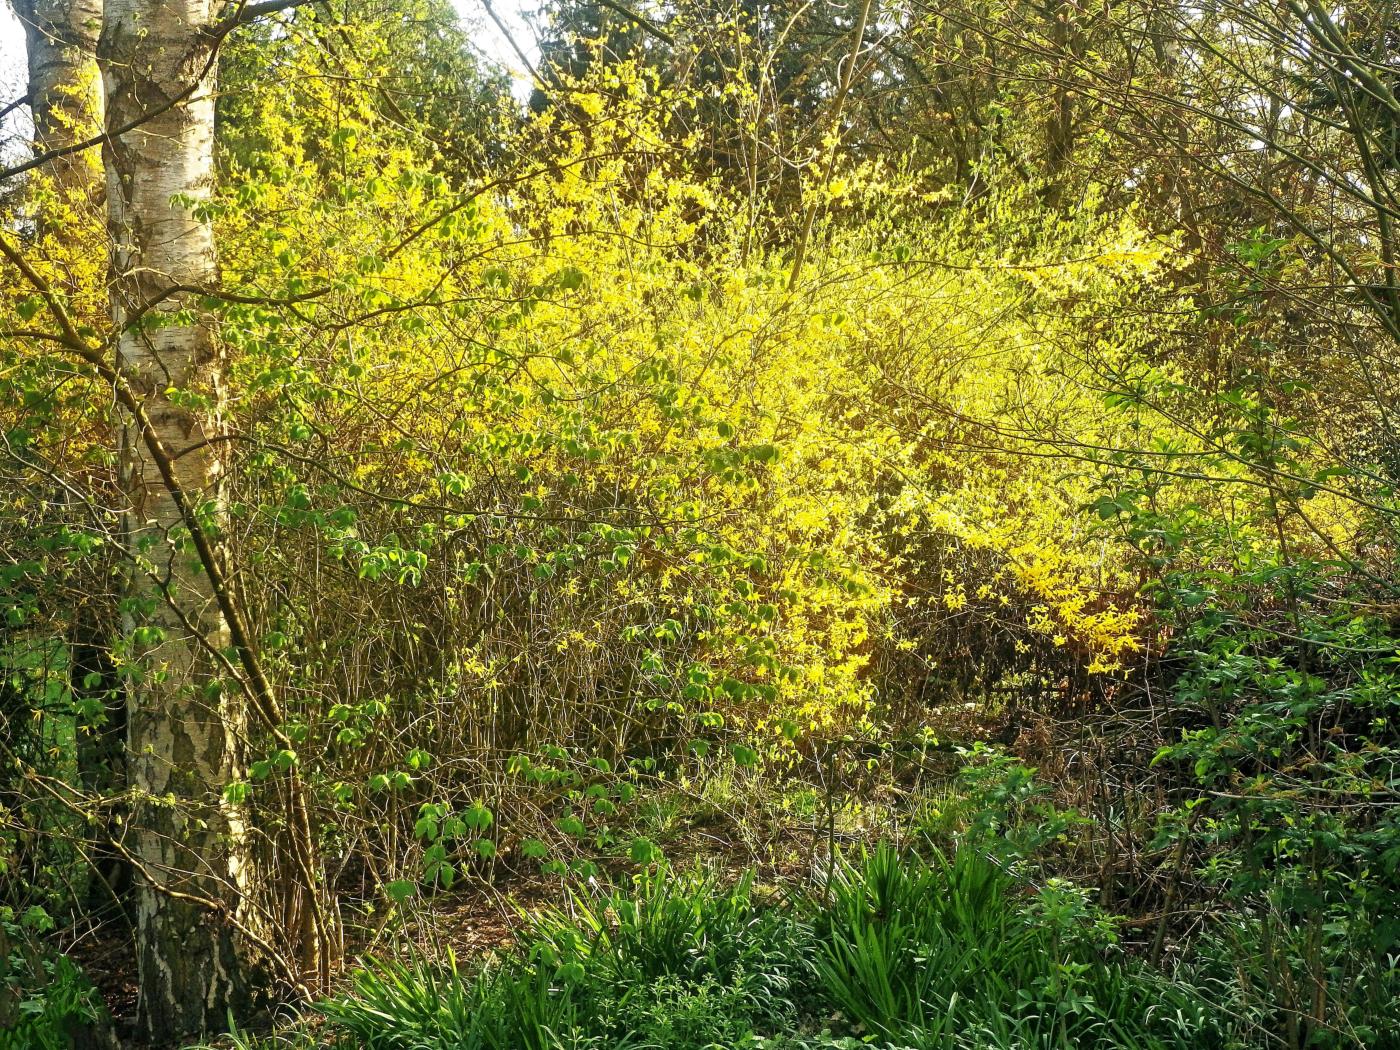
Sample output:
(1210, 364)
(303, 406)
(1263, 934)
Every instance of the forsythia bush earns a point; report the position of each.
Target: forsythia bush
(587, 484)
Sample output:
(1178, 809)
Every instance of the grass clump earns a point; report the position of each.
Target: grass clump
(953, 951)
(920, 953)
(679, 961)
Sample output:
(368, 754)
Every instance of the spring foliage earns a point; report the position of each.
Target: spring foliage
(554, 496)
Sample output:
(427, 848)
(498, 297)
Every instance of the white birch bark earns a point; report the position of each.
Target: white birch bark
(65, 88)
(185, 719)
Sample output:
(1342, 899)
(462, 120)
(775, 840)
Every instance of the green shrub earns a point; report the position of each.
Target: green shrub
(676, 1013)
(45, 1001)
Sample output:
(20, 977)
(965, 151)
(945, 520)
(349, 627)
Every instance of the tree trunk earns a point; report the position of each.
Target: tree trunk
(185, 712)
(65, 87)
(66, 102)
(1065, 36)
(98, 698)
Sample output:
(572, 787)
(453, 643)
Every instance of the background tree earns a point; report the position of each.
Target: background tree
(64, 85)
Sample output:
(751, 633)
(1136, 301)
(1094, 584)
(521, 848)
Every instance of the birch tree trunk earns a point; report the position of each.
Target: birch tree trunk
(65, 87)
(185, 712)
(66, 102)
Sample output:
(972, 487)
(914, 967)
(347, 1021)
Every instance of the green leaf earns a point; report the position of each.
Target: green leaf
(644, 851)
(571, 826)
(426, 828)
(400, 890)
(744, 755)
(36, 918)
(478, 817)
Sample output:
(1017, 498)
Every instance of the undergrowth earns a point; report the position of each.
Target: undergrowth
(900, 951)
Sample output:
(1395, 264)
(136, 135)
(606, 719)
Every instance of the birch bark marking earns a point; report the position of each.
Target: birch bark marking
(184, 724)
